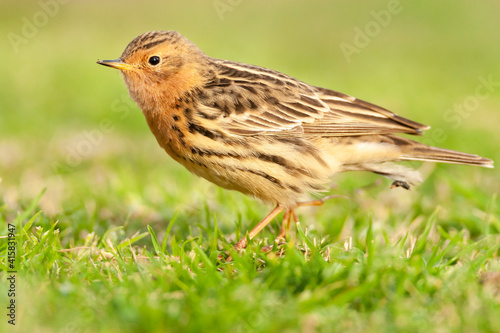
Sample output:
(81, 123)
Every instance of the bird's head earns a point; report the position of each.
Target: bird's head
(159, 64)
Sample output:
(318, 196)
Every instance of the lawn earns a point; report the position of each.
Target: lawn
(111, 235)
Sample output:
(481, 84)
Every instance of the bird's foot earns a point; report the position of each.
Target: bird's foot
(285, 226)
(400, 183)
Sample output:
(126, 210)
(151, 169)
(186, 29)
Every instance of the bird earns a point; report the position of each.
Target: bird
(264, 133)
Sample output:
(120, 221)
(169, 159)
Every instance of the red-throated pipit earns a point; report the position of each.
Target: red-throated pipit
(261, 132)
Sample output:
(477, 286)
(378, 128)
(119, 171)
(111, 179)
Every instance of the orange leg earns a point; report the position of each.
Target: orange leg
(285, 226)
(317, 202)
(262, 224)
(287, 218)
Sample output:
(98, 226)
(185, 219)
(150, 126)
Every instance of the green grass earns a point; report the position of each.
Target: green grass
(113, 236)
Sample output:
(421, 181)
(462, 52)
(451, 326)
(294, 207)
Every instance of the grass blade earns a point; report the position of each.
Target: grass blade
(154, 239)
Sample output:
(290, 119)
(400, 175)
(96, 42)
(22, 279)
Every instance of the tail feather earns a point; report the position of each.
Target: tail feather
(420, 152)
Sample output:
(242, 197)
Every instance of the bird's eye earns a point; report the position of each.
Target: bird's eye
(154, 60)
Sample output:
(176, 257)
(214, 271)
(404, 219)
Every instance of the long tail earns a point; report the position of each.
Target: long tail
(415, 151)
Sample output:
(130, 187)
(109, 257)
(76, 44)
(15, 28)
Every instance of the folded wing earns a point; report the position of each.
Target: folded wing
(250, 100)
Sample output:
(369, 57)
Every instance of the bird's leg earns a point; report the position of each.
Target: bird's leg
(290, 213)
(285, 226)
(287, 217)
(261, 225)
(319, 202)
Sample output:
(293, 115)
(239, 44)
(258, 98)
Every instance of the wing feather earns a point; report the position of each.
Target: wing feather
(253, 100)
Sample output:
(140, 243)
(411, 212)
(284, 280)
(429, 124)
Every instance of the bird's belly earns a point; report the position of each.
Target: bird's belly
(261, 172)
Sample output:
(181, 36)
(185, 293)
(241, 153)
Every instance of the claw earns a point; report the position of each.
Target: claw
(400, 183)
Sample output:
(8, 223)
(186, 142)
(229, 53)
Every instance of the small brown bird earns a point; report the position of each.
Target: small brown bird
(261, 132)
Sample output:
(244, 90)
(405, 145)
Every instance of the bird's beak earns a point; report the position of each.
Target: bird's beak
(117, 63)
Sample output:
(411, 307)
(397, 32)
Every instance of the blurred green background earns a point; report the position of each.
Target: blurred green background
(68, 125)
